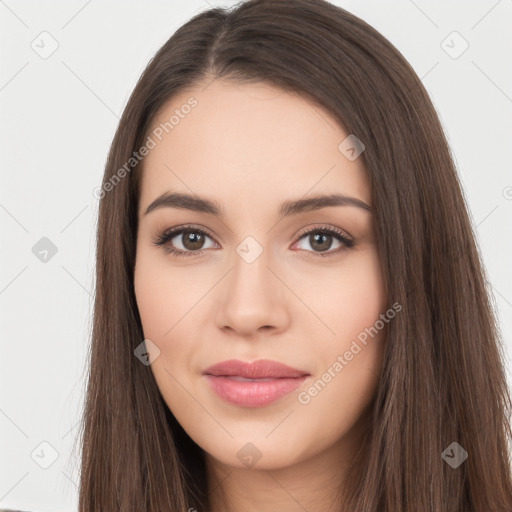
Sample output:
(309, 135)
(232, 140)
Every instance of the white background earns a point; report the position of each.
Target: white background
(58, 116)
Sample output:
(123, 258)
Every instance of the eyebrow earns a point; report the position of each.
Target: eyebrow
(288, 208)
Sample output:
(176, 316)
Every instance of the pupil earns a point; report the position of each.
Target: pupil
(192, 240)
(324, 240)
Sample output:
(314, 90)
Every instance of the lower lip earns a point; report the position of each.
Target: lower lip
(257, 393)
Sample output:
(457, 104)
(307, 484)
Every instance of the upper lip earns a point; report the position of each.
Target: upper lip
(260, 369)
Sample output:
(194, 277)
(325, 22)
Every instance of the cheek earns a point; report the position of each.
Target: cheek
(168, 303)
(163, 294)
(362, 295)
(347, 299)
(349, 357)
(162, 304)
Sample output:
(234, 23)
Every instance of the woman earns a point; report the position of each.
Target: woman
(291, 312)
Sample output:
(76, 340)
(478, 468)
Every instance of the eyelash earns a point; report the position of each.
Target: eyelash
(169, 234)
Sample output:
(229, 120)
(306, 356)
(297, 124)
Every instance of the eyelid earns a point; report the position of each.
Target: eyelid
(324, 227)
(184, 227)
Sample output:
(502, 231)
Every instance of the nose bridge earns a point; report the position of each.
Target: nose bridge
(251, 278)
(253, 296)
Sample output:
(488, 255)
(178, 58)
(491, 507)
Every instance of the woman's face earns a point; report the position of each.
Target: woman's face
(251, 284)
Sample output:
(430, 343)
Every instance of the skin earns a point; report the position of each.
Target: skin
(250, 147)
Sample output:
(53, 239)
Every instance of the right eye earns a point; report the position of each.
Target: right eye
(190, 238)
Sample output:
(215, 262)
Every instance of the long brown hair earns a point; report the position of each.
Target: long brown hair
(442, 380)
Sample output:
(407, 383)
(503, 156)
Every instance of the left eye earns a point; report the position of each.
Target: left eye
(192, 241)
(322, 240)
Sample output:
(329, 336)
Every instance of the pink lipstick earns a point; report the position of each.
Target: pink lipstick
(253, 384)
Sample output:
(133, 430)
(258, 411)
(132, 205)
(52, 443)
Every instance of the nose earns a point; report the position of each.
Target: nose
(253, 298)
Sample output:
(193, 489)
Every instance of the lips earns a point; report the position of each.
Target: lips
(253, 384)
(261, 369)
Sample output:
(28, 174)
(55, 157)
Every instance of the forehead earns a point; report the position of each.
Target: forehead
(236, 142)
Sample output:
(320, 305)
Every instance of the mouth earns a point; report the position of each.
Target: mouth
(253, 384)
